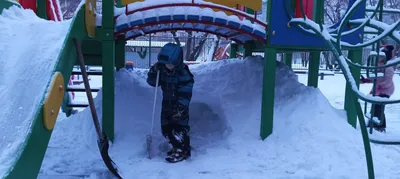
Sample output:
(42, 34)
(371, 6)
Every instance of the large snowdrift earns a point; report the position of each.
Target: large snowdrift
(28, 53)
(311, 139)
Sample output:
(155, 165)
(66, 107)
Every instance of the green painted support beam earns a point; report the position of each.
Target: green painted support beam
(313, 68)
(120, 53)
(259, 46)
(288, 59)
(233, 51)
(108, 55)
(92, 52)
(318, 14)
(41, 9)
(314, 59)
(7, 4)
(248, 49)
(268, 93)
(91, 47)
(92, 60)
(250, 11)
(356, 57)
(108, 102)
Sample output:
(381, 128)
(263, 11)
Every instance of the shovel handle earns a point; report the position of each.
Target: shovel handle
(87, 88)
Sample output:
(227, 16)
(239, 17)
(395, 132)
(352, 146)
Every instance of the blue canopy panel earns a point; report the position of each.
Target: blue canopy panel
(215, 25)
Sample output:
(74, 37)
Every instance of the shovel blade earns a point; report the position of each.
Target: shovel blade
(103, 147)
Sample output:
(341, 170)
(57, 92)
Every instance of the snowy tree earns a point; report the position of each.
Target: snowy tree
(334, 10)
(68, 7)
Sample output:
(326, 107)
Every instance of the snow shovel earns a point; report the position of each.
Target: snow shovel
(149, 138)
(102, 139)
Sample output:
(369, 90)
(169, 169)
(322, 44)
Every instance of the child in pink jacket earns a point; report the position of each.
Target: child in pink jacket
(384, 86)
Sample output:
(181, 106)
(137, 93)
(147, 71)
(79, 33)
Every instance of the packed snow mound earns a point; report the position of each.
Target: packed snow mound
(25, 72)
(311, 139)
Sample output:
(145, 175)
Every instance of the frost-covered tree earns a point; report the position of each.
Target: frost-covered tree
(334, 10)
(68, 7)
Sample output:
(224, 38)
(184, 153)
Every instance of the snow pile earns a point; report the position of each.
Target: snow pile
(28, 53)
(311, 139)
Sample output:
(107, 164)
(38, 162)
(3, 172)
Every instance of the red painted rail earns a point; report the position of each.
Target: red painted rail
(222, 8)
(240, 31)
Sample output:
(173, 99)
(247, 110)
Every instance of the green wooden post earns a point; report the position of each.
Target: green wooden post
(356, 57)
(313, 68)
(41, 9)
(250, 11)
(119, 3)
(288, 58)
(120, 53)
(233, 50)
(248, 49)
(268, 93)
(108, 57)
(314, 59)
(149, 51)
(248, 46)
(318, 14)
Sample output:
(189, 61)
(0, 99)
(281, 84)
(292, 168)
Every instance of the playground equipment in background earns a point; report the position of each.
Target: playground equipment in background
(129, 65)
(104, 45)
(374, 73)
(309, 37)
(224, 53)
(50, 9)
(105, 49)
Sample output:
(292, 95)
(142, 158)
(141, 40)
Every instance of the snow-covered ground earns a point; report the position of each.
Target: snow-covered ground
(311, 138)
(28, 54)
(333, 88)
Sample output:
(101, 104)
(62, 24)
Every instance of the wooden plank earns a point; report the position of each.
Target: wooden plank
(78, 105)
(53, 101)
(94, 73)
(252, 4)
(76, 89)
(90, 18)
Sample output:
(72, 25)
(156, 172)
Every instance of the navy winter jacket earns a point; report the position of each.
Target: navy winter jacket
(177, 85)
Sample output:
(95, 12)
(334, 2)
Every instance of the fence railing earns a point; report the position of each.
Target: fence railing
(144, 50)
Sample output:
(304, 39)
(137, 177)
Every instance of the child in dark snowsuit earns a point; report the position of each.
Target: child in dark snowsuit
(384, 86)
(176, 82)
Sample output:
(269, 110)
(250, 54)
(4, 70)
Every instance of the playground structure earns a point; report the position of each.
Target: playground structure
(134, 18)
(49, 9)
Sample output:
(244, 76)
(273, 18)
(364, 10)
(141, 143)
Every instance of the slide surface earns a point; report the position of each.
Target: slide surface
(32, 52)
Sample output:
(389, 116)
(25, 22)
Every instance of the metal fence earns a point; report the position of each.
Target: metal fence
(143, 51)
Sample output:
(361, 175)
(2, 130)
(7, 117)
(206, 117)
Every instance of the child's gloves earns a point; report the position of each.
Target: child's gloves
(364, 80)
(157, 66)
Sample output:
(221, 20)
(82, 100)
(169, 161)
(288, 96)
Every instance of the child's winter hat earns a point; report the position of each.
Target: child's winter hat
(388, 50)
(171, 54)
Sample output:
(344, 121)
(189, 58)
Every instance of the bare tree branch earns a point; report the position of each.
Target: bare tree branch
(196, 51)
